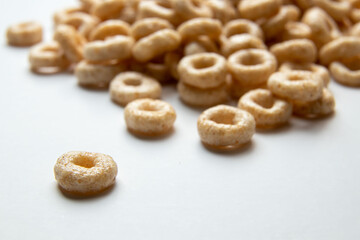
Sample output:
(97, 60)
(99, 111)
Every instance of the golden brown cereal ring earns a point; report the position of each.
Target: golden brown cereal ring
(241, 26)
(225, 127)
(198, 97)
(158, 71)
(97, 75)
(156, 44)
(108, 9)
(188, 9)
(355, 15)
(339, 49)
(85, 173)
(129, 86)
(338, 10)
(304, 4)
(200, 45)
(222, 10)
(60, 16)
(346, 74)
(117, 47)
(172, 60)
(310, 67)
(128, 14)
(196, 27)
(315, 109)
(236, 89)
(296, 85)
(355, 30)
(268, 110)
(82, 22)
(296, 30)
(149, 117)
(47, 55)
(110, 28)
(24, 34)
(203, 70)
(255, 9)
(296, 50)
(241, 42)
(157, 9)
(87, 4)
(251, 66)
(144, 27)
(70, 41)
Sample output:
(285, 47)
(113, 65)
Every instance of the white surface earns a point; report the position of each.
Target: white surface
(298, 183)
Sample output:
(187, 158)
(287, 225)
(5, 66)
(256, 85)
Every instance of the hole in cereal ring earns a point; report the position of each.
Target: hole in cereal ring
(224, 118)
(204, 63)
(250, 60)
(149, 107)
(84, 161)
(132, 82)
(265, 102)
(295, 77)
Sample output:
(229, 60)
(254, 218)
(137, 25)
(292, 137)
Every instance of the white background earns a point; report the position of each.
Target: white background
(301, 182)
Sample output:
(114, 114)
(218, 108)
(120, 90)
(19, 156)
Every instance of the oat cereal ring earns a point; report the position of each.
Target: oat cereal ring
(108, 9)
(241, 26)
(172, 60)
(149, 117)
(47, 56)
(144, 27)
(296, 85)
(236, 89)
(346, 73)
(251, 66)
(198, 97)
(203, 70)
(156, 44)
(157, 9)
(355, 15)
(340, 49)
(296, 30)
(304, 4)
(70, 41)
(296, 50)
(338, 10)
(225, 128)
(355, 30)
(189, 9)
(97, 76)
(129, 86)
(241, 42)
(24, 34)
(158, 71)
(319, 108)
(200, 45)
(113, 48)
(110, 28)
(82, 22)
(222, 10)
(60, 16)
(255, 9)
(85, 173)
(196, 27)
(87, 4)
(268, 111)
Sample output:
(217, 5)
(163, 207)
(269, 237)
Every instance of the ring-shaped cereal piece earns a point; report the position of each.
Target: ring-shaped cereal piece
(196, 27)
(203, 70)
(70, 41)
(268, 110)
(256, 9)
(355, 15)
(108, 9)
(97, 76)
(60, 16)
(340, 49)
(24, 34)
(241, 42)
(110, 28)
(296, 50)
(144, 27)
(113, 48)
(158, 70)
(82, 22)
(149, 117)
(296, 30)
(304, 4)
(225, 128)
(198, 97)
(237, 90)
(87, 4)
(310, 67)
(346, 74)
(129, 86)
(200, 45)
(296, 85)
(157, 9)
(156, 44)
(172, 60)
(85, 173)
(242, 26)
(338, 10)
(188, 9)
(251, 66)
(222, 10)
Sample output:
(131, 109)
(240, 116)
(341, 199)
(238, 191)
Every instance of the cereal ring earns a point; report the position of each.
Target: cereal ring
(241, 42)
(296, 50)
(236, 89)
(144, 27)
(194, 28)
(85, 173)
(296, 85)
(129, 86)
(82, 22)
(241, 26)
(355, 15)
(158, 70)
(201, 45)
(157, 9)
(310, 67)
(198, 97)
(108, 9)
(304, 4)
(319, 108)
(225, 127)
(110, 28)
(256, 9)
(70, 41)
(268, 111)
(222, 10)
(172, 60)
(340, 49)
(338, 10)
(117, 47)
(156, 44)
(47, 57)
(97, 75)
(188, 9)
(24, 34)
(203, 70)
(60, 16)
(87, 4)
(149, 117)
(346, 73)
(251, 66)
(296, 30)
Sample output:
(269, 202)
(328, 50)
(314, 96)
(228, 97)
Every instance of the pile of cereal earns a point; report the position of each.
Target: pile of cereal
(273, 56)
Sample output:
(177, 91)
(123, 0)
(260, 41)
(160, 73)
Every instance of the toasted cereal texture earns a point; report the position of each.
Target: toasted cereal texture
(296, 30)
(82, 22)
(144, 27)
(24, 34)
(108, 9)
(158, 9)
(196, 27)
(188, 9)
(338, 10)
(110, 28)
(297, 50)
(241, 42)
(346, 73)
(259, 9)
(340, 49)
